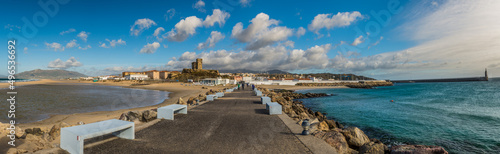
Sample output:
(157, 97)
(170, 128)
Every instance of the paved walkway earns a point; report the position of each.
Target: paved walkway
(236, 123)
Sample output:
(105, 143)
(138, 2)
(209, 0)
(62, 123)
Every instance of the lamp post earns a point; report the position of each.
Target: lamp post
(305, 125)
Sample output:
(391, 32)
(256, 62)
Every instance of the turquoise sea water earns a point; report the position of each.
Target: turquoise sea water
(463, 117)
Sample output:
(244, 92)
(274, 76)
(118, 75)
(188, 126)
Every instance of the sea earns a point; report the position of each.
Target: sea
(462, 117)
(38, 102)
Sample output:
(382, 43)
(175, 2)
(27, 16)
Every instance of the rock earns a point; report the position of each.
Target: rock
(134, 115)
(355, 137)
(331, 124)
(81, 123)
(149, 115)
(323, 126)
(373, 147)
(180, 101)
(418, 149)
(55, 131)
(34, 131)
(19, 132)
(303, 115)
(335, 139)
(339, 125)
(293, 114)
(320, 116)
(123, 117)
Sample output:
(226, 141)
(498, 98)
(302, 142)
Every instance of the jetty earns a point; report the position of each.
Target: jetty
(235, 123)
(485, 78)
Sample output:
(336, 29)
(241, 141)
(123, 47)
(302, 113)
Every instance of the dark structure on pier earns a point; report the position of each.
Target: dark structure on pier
(485, 78)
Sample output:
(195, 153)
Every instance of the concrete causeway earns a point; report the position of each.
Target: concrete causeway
(236, 123)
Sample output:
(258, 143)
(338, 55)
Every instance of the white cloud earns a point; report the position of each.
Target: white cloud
(170, 14)
(199, 5)
(83, 35)
(358, 41)
(55, 46)
(71, 30)
(215, 37)
(184, 28)
(150, 48)
(71, 44)
(58, 63)
(158, 32)
(458, 40)
(301, 31)
(85, 48)
(112, 43)
(376, 43)
(245, 3)
(217, 16)
(330, 21)
(266, 58)
(140, 25)
(261, 32)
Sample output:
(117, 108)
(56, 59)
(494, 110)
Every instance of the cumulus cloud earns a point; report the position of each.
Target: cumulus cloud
(71, 30)
(170, 14)
(85, 48)
(330, 21)
(262, 32)
(187, 27)
(184, 28)
(71, 44)
(217, 16)
(358, 41)
(140, 25)
(215, 37)
(266, 58)
(376, 43)
(199, 5)
(112, 43)
(150, 48)
(245, 3)
(55, 46)
(301, 31)
(58, 63)
(83, 35)
(158, 32)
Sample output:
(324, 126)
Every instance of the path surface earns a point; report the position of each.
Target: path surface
(236, 123)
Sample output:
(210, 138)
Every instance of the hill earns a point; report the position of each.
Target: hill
(48, 74)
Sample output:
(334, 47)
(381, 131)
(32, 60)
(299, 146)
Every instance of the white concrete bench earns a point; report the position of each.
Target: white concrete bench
(211, 97)
(72, 137)
(265, 100)
(167, 112)
(273, 108)
(258, 93)
(219, 94)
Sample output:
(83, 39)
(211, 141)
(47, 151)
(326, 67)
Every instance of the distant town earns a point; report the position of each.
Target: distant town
(197, 75)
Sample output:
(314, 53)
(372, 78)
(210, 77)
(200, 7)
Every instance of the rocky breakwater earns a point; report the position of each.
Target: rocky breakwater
(346, 140)
(360, 84)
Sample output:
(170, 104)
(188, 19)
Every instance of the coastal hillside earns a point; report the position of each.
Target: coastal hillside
(48, 74)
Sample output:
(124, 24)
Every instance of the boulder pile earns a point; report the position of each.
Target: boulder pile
(351, 140)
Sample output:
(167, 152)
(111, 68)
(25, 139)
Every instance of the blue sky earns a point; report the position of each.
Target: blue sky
(422, 39)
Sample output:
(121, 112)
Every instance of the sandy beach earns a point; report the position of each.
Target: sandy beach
(176, 91)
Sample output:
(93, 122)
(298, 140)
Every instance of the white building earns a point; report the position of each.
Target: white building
(214, 81)
(137, 77)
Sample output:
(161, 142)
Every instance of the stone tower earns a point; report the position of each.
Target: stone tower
(199, 64)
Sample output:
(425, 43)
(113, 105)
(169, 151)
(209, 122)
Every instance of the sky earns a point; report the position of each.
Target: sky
(386, 39)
